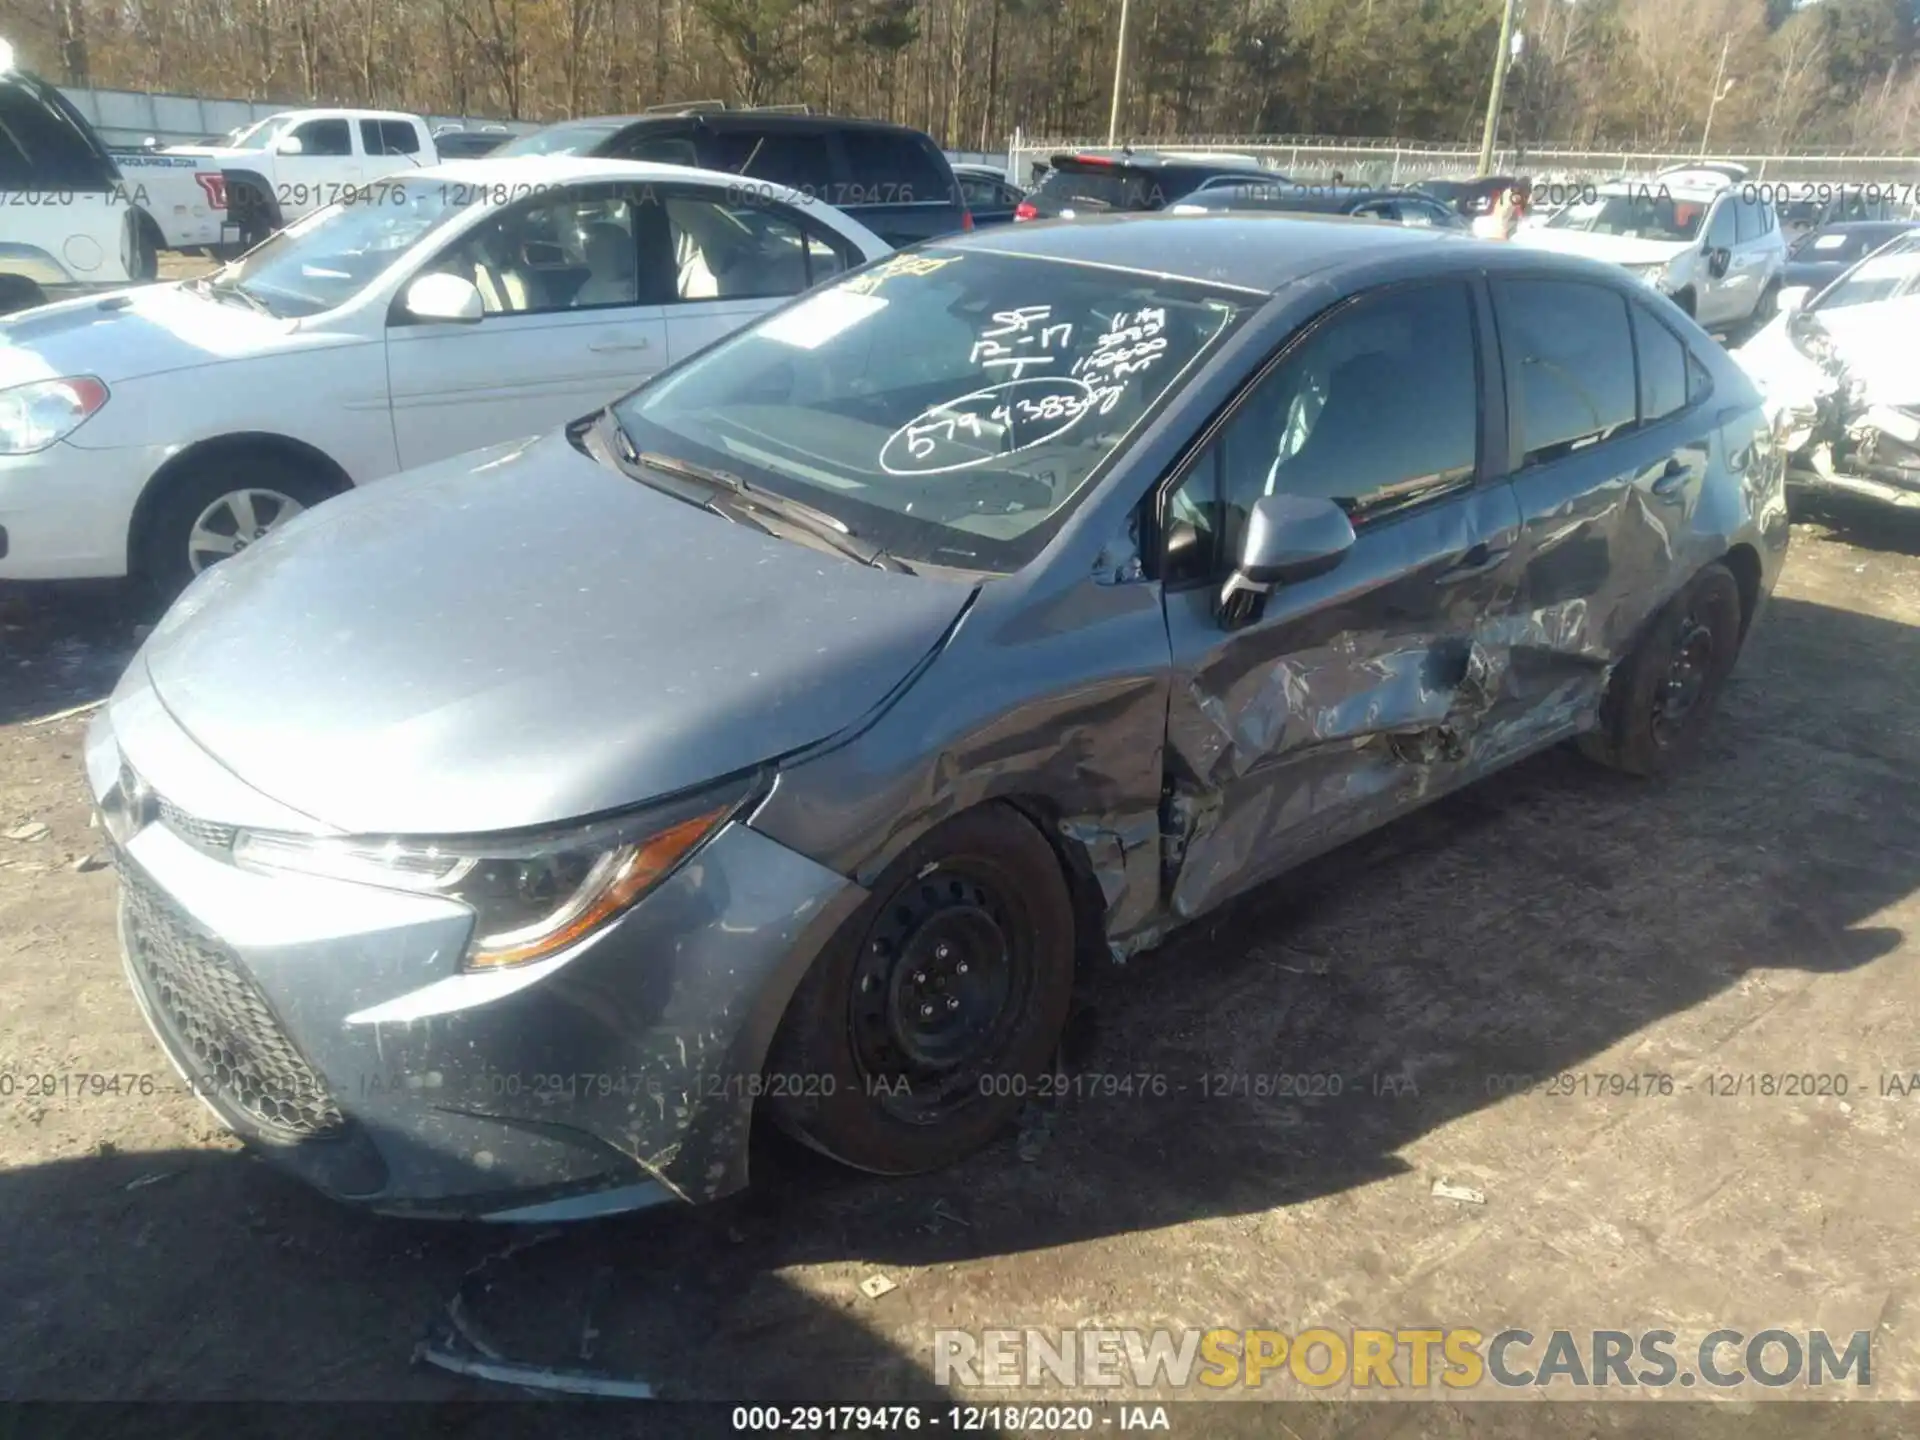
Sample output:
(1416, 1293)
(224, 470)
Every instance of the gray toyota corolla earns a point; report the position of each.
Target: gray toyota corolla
(497, 840)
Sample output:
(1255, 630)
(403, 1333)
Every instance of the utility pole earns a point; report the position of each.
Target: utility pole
(1719, 94)
(1119, 79)
(1502, 58)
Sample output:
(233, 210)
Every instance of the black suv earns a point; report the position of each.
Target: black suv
(892, 179)
(1131, 180)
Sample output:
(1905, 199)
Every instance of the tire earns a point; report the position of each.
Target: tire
(1660, 700)
(19, 293)
(1767, 307)
(1684, 299)
(974, 918)
(277, 490)
(147, 244)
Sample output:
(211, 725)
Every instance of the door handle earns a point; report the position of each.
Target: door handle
(614, 347)
(1477, 561)
(1673, 475)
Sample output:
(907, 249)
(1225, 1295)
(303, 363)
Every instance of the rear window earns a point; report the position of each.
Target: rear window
(388, 137)
(1104, 187)
(883, 162)
(561, 140)
(42, 146)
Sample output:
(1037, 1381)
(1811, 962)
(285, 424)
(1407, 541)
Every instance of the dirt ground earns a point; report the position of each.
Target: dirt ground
(1754, 917)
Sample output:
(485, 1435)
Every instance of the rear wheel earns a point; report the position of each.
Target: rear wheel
(1684, 299)
(19, 293)
(1662, 696)
(219, 509)
(932, 1014)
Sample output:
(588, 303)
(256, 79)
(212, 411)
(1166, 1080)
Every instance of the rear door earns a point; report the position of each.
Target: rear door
(1356, 695)
(575, 283)
(736, 257)
(1607, 465)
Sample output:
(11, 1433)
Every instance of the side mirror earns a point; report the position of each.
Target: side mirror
(1792, 300)
(1718, 260)
(445, 298)
(1289, 538)
(289, 146)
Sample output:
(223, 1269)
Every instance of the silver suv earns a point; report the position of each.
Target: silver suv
(1706, 239)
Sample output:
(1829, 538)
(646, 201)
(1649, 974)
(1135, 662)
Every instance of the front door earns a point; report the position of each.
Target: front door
(574, 283)
(1356, 695)
(1718, 296)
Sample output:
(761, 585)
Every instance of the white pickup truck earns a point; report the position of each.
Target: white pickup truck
(299, 161)
(74, 216)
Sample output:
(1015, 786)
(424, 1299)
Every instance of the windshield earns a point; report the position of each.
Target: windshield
(1889, 273)
(1643, 215)
(259, 135)
(326, 259)
(558, 140)
(948, 407)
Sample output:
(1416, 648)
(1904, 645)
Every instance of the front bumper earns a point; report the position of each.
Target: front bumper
(66, 512)
(331, 1025)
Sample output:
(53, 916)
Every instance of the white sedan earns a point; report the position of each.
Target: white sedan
(156, 430)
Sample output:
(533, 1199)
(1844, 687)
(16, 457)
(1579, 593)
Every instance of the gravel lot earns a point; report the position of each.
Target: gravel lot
(1755, 917)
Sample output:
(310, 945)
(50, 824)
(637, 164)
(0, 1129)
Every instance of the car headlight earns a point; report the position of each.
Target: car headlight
(35, 415)
(532, 895)
(1651, 274)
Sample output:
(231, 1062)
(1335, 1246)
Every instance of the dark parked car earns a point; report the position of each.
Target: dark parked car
(785, 735)
(1807, 207)
(1820, 257)
(892, 179)
(1471, 198)
(1403, 207)
(991, 197)
(1133, 180)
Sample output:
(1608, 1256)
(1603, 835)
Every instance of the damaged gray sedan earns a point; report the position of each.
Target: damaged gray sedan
(497, 841)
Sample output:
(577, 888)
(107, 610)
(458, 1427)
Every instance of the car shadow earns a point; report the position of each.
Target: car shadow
(1508, 934)
(65, 645)
(1855, 521)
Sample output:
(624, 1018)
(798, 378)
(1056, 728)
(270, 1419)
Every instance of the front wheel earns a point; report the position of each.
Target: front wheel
(211, 513)
(1663, 694)
(937, 1008)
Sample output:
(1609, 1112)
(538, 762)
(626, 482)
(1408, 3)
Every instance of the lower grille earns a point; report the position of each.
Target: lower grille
(209, 1004)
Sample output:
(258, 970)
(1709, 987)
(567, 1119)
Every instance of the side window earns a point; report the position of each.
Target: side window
(1378, 210)
(1722, 228)
(798, 159)
(979, 193)
(324, 137)
(40, 146)
(1747, 224)
(1663, 367)
(740, 252)
(1313, 426)
(397, 137)
(1699, 382)
(576, 249)
(663, 149)
(1573, 356)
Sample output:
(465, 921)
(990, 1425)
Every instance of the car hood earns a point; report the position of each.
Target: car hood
(131, 333)
(1617, 249)
(522, 636)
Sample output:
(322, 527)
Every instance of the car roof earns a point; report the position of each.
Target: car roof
(1222, 248)
(514, 171)
(1155, 160)
(1867, 227)
(740, 119)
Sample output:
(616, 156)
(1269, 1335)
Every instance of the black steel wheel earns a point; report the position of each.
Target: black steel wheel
(929, 1018)
(1662, 696)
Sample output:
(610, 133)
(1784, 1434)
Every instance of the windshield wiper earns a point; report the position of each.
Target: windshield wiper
(733, 498)
(220, 289)
(742, 495)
